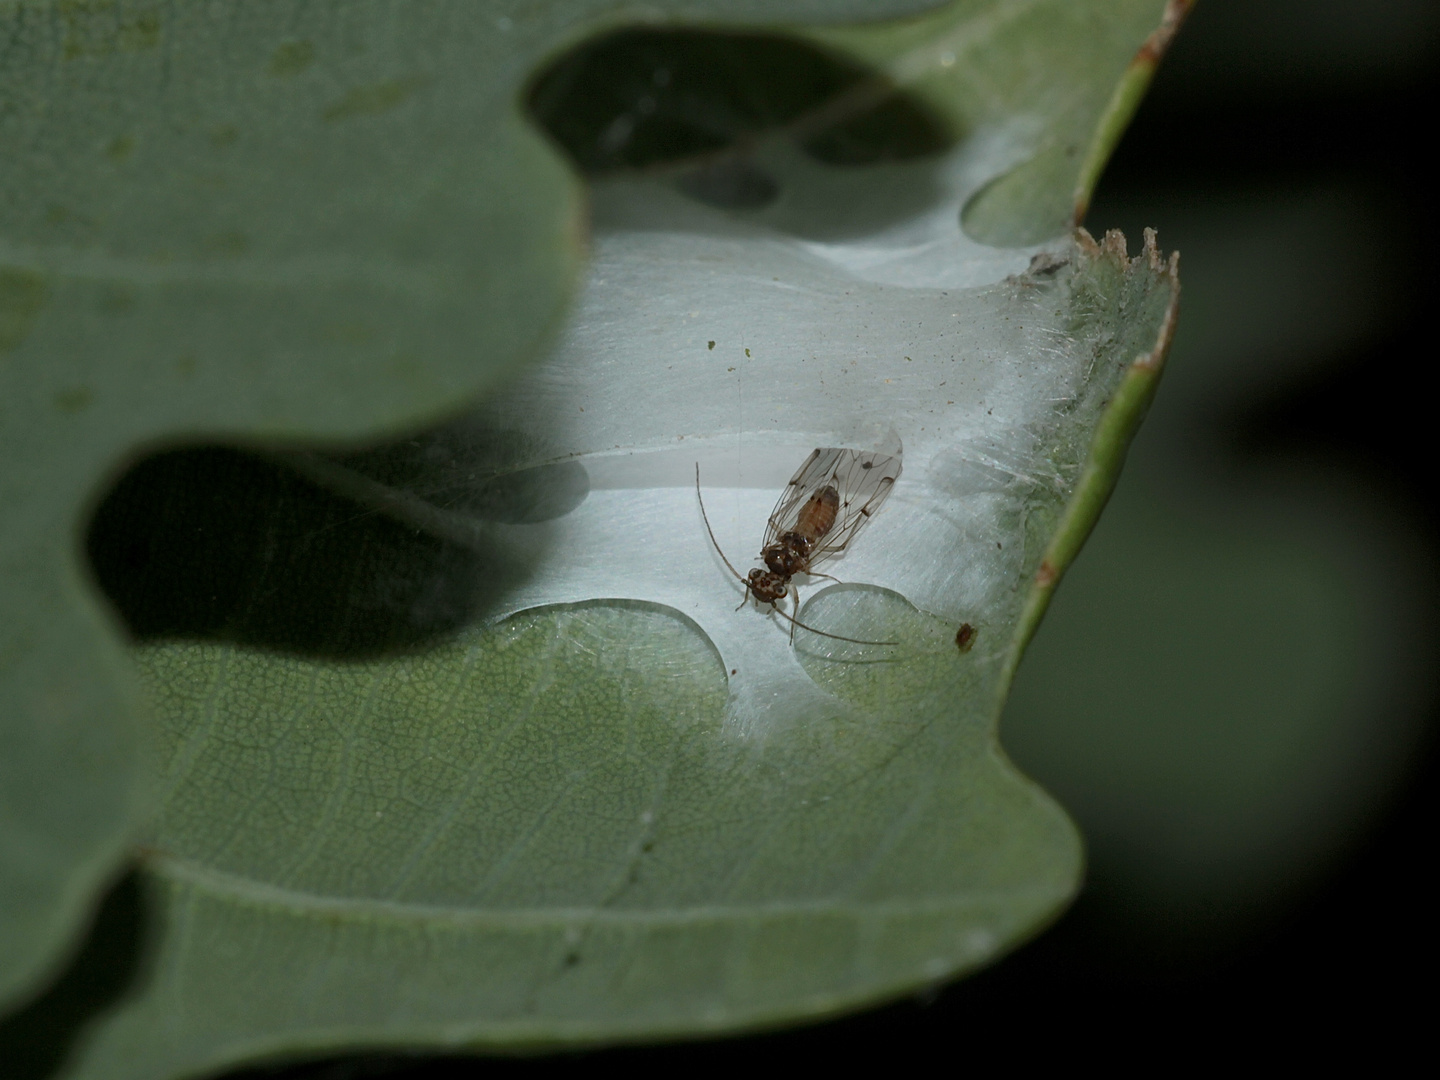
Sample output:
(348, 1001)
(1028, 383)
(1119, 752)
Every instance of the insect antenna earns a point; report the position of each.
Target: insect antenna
(822, 633)
(711, 531)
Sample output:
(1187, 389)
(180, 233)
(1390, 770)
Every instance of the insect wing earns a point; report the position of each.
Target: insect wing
(808, 479)
(862, 479)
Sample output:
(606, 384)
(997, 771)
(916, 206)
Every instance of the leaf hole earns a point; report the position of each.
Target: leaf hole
(342, 554)
(649, 97)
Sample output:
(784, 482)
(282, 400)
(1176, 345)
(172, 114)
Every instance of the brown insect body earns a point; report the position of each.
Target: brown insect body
(790, 555)
(807, 513)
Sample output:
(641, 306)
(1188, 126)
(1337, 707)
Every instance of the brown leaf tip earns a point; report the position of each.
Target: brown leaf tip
(1151, 252)
(1159, 40)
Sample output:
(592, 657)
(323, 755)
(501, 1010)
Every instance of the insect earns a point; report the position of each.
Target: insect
(830, 497)
(965, 637)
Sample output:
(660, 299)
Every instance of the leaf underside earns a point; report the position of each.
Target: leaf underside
(588, 799)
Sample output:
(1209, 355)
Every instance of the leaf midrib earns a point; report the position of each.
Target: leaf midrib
(241, 889)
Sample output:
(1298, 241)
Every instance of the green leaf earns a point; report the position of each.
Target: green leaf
(606, 818)
(576, 816)
(271, 221)
(554, 828)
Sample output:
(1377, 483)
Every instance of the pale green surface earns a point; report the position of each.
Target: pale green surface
(1037, 199)
(1128, 401)
(199, 235)
(1052, 65)
(349, 290)
(257, 219)
(547, 829)
(609, 819)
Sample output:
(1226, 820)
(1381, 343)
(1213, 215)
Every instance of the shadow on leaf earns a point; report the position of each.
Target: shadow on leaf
(35, 1041)
(645, 97)
(217, 543)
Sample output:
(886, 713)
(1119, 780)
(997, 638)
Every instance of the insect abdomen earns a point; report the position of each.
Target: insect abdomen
(818, 514)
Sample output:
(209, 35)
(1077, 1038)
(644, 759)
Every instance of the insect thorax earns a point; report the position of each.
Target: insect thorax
(788, 556)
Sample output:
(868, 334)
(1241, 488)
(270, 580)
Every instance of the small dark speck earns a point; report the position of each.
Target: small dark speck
(648, 846)
(965, 637)
(710, 345)
(747, 352)
(729, 369)
(997, 543)
(867, 465)
(733, 670)
(571, 959)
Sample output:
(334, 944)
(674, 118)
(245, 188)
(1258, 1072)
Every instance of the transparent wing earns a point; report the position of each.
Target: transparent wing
(861, 478)
(812, 476)
(864, 481)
